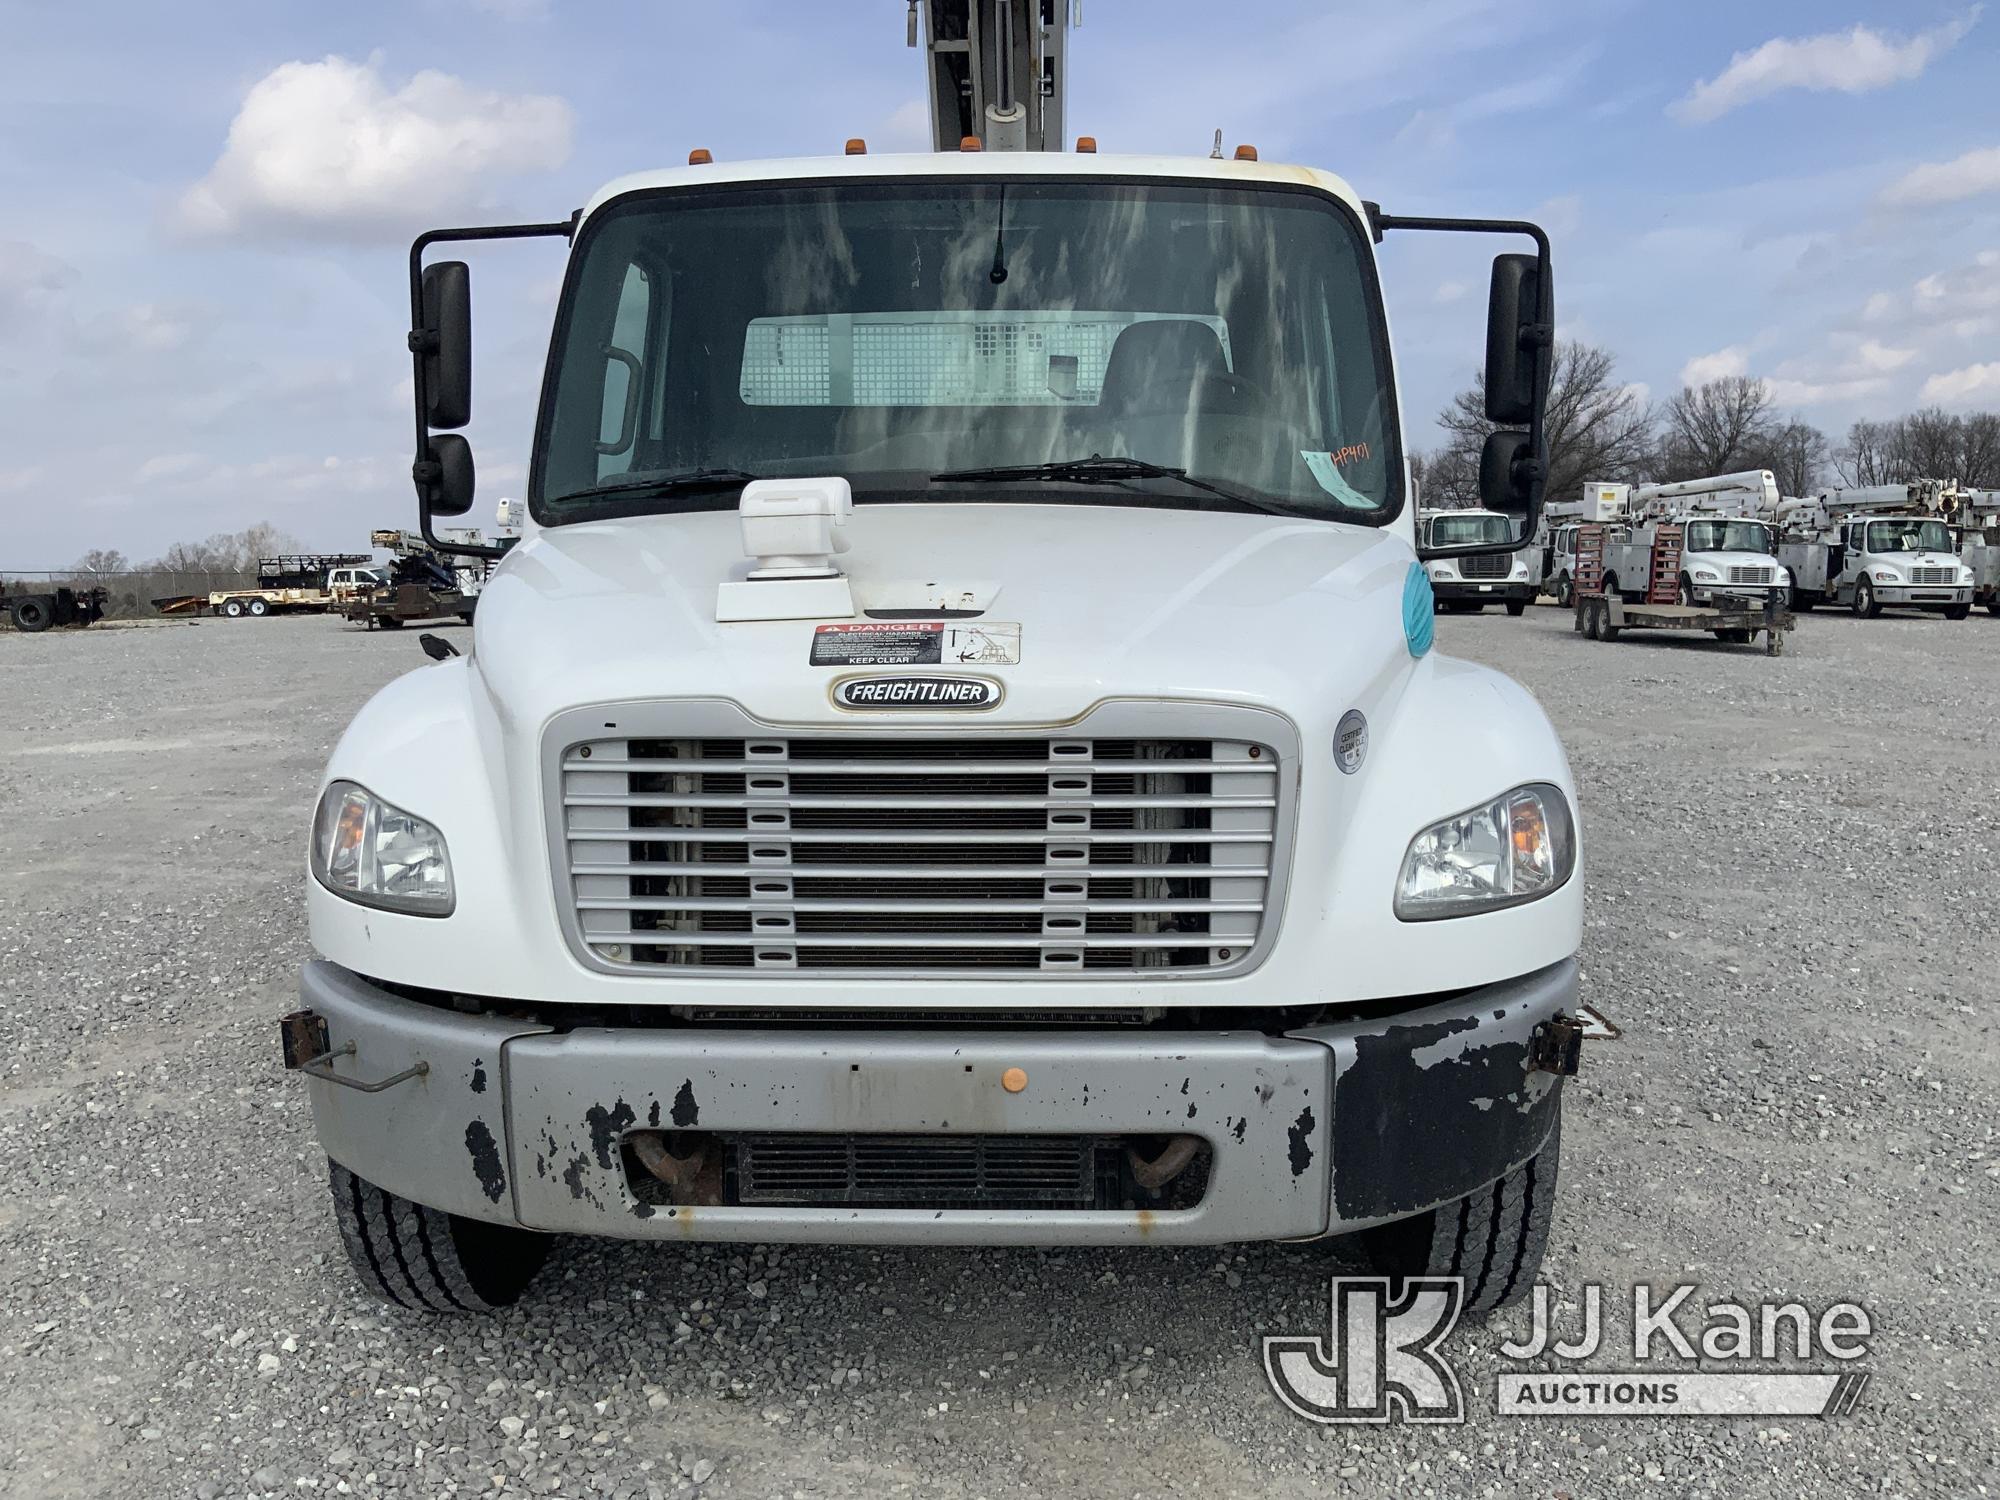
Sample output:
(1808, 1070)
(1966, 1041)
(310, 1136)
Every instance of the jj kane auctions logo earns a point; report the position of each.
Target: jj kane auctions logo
(1381, 1360)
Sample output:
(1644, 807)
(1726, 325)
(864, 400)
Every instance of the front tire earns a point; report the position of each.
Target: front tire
(258, 608)
(1686, 592)
(233, 609)
(1865, 604)
(1565, 595)
(1493, 1238)
(1517, 607)
(426, 1259)
(1957, 611)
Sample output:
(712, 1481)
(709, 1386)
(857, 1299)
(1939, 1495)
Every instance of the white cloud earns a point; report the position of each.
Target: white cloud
(1734, 360)
(1973, 383)
(170, 466)
(1848, 62)
(1966, 176)
(331, 148)
(144, 327)
(1874, 356)
(30, 281)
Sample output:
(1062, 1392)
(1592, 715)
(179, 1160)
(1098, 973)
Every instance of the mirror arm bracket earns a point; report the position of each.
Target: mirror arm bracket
(1538, 335)
(423, 340)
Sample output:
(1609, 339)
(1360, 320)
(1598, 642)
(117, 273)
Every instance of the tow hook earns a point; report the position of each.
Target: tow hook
(1556, 1046)
(308, 1049)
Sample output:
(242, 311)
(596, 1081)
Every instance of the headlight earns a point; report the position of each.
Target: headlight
(1442, 570)
(1514, 849)
(1883, 575)
(370, 851)
(1704, 575)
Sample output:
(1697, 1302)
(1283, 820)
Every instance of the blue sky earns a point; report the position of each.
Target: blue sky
(207, 207)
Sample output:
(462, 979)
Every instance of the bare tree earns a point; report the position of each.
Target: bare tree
(1717, 428)
(1597, 429)
(1979, 450)
(1796, 457)
(1928, 444)
(101, 563)
(1863, 460)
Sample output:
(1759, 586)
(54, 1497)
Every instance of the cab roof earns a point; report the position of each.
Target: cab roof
(989, 165)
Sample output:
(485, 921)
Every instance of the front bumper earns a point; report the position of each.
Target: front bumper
(1907, 593)
(1322, 1130)
(1497, 591)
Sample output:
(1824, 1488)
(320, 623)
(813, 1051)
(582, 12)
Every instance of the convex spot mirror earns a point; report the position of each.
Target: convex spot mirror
(447, 491)
(1508, 473)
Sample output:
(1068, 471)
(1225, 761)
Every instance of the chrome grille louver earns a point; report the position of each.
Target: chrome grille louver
(1750, 574)
(1931, 577)
(926, 852)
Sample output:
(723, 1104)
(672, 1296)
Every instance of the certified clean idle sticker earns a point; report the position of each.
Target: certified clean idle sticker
(917, 643)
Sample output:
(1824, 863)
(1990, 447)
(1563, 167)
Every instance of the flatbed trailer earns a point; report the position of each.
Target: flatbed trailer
(1602, 617)
(309, 584)
(1733, 619)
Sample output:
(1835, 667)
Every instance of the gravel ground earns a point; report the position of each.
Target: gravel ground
(1794, 866)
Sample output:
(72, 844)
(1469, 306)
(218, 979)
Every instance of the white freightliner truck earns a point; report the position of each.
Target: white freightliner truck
(1726, 548)
(1975, 514)
(1883, 545)
(1465, 584)
(956, 756)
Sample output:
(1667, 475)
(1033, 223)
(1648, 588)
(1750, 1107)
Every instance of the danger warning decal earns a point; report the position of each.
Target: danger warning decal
(917, 643)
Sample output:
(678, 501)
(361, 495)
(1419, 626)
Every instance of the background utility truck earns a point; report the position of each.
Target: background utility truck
(1468, 584)
(1975, 516)
(956, 755)
(1886, 545)
(1600, 504)
(1725, 551)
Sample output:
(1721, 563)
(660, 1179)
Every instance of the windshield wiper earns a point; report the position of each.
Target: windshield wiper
(1098, 469)
(659, 485)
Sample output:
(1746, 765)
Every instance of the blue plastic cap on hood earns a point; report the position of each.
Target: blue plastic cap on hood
(1418, 611)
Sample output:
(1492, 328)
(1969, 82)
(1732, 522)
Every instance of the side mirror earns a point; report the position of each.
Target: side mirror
(444, 478)
(1516, 333)
(445, 341)
(1510, 475)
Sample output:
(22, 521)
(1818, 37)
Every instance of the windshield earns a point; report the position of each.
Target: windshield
(889, 332)
(1465, 531)
(1908, 535)
(1728, 536)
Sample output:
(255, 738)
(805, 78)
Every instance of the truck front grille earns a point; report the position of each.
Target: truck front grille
(925, 1171)
(849, 855)
(1931, 577)
(1750, 574)
(1498, 565)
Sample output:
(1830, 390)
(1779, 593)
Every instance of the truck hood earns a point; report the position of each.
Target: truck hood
(1110, 601)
